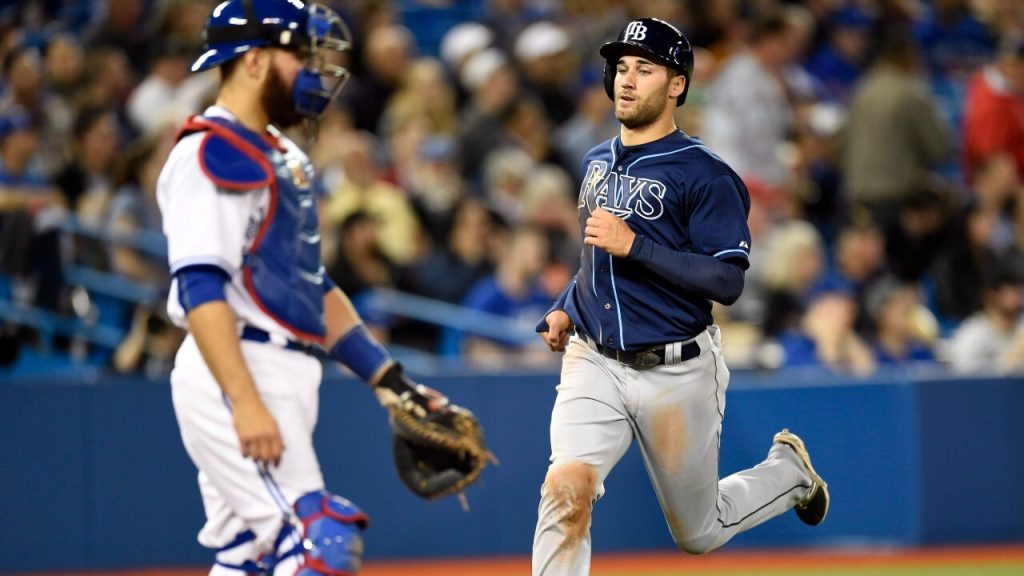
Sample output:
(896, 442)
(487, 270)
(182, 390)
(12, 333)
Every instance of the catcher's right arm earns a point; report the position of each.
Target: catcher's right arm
(439, 447)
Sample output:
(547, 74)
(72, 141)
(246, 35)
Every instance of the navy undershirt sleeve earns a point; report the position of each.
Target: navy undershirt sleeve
(706, 276)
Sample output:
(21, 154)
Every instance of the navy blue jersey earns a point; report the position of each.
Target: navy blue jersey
(676, 193)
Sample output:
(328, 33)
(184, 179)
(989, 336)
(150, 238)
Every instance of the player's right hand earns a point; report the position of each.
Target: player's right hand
(257, 430)
(557, 335)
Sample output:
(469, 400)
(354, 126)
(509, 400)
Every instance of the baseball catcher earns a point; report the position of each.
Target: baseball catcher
(439, 447)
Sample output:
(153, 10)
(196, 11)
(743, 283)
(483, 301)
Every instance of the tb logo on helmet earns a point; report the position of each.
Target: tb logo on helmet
(635, 30)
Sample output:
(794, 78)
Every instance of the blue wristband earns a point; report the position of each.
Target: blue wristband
(360, 353)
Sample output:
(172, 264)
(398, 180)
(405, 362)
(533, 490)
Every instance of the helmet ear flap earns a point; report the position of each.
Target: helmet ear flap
(609, 80)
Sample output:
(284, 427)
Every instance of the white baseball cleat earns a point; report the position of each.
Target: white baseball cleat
(814, 507)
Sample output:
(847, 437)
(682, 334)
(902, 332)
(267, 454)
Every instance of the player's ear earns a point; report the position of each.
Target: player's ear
(676, 86)
(256, 63)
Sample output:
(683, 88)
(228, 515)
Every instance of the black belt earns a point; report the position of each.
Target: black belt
(642, 359)
(254, 334)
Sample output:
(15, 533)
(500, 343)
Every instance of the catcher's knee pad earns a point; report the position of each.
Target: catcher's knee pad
(332, 530)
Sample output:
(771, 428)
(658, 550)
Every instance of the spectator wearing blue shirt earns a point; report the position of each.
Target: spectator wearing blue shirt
(827, 338)
(837, 65)
(899, 323)
(514, 292)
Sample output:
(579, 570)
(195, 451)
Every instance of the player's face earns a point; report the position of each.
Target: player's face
(276, 94)
(641, 91)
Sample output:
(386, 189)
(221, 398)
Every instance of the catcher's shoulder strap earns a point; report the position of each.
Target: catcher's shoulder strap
(228, 159)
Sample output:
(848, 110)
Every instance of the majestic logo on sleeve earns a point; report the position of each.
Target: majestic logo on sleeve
(621, 194)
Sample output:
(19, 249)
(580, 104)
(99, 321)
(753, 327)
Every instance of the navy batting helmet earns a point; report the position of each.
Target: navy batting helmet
(663, 42)
(236, 26)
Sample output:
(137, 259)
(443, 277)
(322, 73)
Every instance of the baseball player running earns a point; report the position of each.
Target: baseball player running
(248, 284)
(665, 234)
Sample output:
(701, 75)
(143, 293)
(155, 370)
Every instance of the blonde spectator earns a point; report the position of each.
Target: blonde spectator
(425, 95)
(549, 204)
(363, 189)
(505, 175)
(792, 261)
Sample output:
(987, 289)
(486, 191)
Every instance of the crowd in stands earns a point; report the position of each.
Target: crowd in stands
(882, 142)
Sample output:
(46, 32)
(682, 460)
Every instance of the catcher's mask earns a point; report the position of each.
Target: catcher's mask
(312, 30)
(661, 41)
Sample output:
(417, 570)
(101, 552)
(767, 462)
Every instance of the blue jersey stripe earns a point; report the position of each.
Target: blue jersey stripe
(661, 154)
(730, 251)
(615, 294)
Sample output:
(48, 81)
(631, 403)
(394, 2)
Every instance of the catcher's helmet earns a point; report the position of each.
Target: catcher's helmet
(236, 26)
(663, 42)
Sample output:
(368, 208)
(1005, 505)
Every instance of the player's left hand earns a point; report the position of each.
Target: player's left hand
(609, 233)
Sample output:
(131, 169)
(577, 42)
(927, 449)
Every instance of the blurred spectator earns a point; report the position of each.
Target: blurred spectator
(424, 96)
(837, 65)
(749, 114)
(363, 190)
(169, 94)
(542, 50)
(505, 176)
(859, 259)
(894, 135)
(124, 29)
(997, 188)
(86, 180)
(181, 22)
(549, 205)
(789, 265)
(461, 42)
(435, 185)
(918, 236)
(827, 337)
(152, 340)
(108, 79)
(386, 57)
(992, 340)
(451, 268)
(952, 40)
(966, 256)
(493, 86)
(26, 90)
(900, 334)
(133, 208)
(514, 292)
(526, 127)
(64, 67)
(30, 213)
(716, 26)
(994, 110)
(592, 122)
(360, 265)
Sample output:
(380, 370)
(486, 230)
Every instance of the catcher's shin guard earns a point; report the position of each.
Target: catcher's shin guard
(333, 540)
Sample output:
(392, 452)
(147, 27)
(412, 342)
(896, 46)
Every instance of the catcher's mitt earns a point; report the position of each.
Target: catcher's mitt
(439, 448)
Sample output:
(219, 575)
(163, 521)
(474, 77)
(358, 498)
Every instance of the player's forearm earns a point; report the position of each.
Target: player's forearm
(700, 274)
(349, 342)
(340, 315)
(213, 326)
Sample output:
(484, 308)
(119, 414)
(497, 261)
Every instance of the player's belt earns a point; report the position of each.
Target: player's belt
(254, 334)
(669, 354)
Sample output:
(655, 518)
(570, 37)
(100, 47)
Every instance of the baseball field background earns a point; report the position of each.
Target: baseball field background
(925, 475)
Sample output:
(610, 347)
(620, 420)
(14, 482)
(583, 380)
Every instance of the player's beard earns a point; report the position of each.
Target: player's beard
(277, 101)
(645, 112)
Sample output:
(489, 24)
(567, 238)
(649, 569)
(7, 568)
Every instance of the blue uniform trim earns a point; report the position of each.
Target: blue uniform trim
(199, 284)
(360, 353)
(649, 156)
(730, 251)
(618, 308)
(241, 538)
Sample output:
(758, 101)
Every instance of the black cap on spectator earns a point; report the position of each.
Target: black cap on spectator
(1007, 270)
